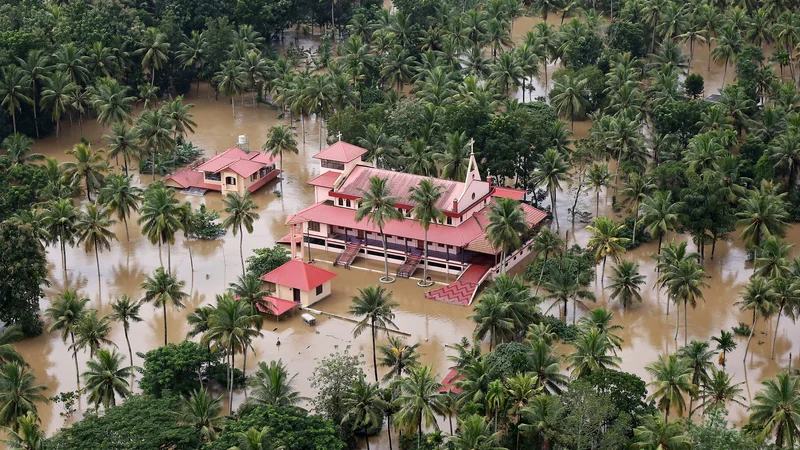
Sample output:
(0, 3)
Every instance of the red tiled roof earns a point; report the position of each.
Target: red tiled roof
(299, 275)
(245, 168)
(191, 178)
(448, 384)
(278, 306)
(341, 152)
(516, 194)
(239, 161)
(327, 179)
(399, 184)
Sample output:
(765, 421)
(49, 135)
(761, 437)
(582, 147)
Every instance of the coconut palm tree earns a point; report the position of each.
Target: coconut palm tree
(66, 312)
(671, 379)
(493, 318)
(159, 218)
(637, 188)
(163, 288)
(35, 68)
(106, 378)
(658, 432)
(570, 98)
(250, 288)
(605, 241)
(56, 96)
(719, 390)
(123, 141)
(426, 196)
(154, 52)
(126, 311)
(59, 220)
(699, 355)
(365, 405)
(787, 300)
(566, 280)
(474, 433)
(110, 100)
(599, 177)
(155, 131)
(729, 44)
(375, 305)
(10, 335)
(506, 225)
(202, 410)
(281, 140)
(776, 410)
(88, 166)
(231, 328)
(772, 260)
(272, 385)
(758, 296)
(660, 215)
(13, 88)
(192, 53)
(19, 394)
(593, 352)
(418, 158)
(92, 332)
(684, 283)
(545, 243)
(120, 196)
(549, 172)
(230, 80)
(199, 320)
(28, 436)
(725, 344)
(600, 319)
(378, 207)
(626, 281)
(179, 115)
(420, 400)
(521, 389)
(399, 356)
(761, 215)
(94, 231)
(241, 216)
(547, 368)
(18, 148)
(454, 158)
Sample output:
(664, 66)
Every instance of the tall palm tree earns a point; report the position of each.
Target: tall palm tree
(506, 225)
(9, 354)
(250, 288)
(378, 207)
(772, 260)
(110, 100)
(66, 312)
(658, 432)
(593, 352)
(35, 67)
(272, 385)
(59, 220)
(106, 378)
(599, 177)
(375, 305)
(398, 356)
(474, 433)
(241, 216)
(159, 218)
(230, 80)
(121, 197)
(420, 400)
(671, 379)
(94, 231)
(164, 288)
(28, 436)
(684, 283)
(570, 97)
(776, 410)
(426, 196)
(493, 318)
(626, 281)
(454, 158)
(126, 311)
(92, 332)
(56, 96)
(19, 394)
(605, 241)
(725, 344)
(719, 390)
(202, 411)
(545, 243)
(13, 91)
(521, 389)
(18, 148)
(365, 405)
(154, 52)
(155, 131)
(699, 355)
(565, 281)
(758, 296)
(637, 188)
(729, 44)
(547, 368)
(762, 215)
(192, 53)
(200, 320)
(231, 328)
(88, 166)
(660, 215)
(179, 115)
(549, 172)
(281, 140)
(787, 300)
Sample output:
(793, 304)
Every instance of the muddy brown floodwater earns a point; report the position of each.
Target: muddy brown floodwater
(647, 331)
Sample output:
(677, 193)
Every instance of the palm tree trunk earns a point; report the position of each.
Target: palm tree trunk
(597, 202)
(164, 305)
(603, 273)
(750, 338)
(244, 363)
(425, 251)
(385, 255)
(374, 350)
(169, 258)
(127, 234)
(63, 258)
(35, 117)
(503, 261)
(685, 324)
(635, 220)
(130, 351)
(241, 252)
(191, 259)
(724, 73)
(775, 336)
(75, 357)
(660, 237)
(541, 273)
(419, 434)
(677, 319)
(366, 436)
(14, 120)
(389, 429)
(553, 205)
(97, 260)
(153, 77)
(230, 389)
(233, 108)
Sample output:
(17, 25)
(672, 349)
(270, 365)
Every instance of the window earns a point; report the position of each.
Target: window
(328, 164)
(313, 226)
(339, 201)
(230, 181)
(319, 290)
(253, 177)
(449, 220)
(212, 176)
(348, 203)
(473, 196)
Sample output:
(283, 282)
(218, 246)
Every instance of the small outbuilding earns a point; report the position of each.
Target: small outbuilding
(300, 282)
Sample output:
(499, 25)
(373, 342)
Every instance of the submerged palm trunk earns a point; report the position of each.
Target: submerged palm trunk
(64, 258)
(685, 325)
(164, 305)
(775, 336)
(385, 256)
(75, 357)
(374, 350)
(677, 319)
(750, 338)
(241, 252)
(97, 260)
(130, 351)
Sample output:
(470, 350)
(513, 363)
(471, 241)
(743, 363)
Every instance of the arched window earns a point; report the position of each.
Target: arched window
(230, 181)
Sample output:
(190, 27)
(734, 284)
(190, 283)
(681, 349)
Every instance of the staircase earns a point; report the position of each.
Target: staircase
(463, 290)
(347, 255)
(409, 266)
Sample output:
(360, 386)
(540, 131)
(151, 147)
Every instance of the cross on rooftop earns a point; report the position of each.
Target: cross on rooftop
(339, 135)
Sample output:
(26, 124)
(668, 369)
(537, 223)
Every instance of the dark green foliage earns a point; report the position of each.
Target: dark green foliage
(705, 209)
(748, 65)
(406, 119)
(742, 329)
(626, 391)
(679, 117)
(694, 85)
(352, 123)
(268, 17)
(140, 423)
(627, 37)
(596, 84)
(565, 332)
(19, 186)
(714, 434)
(206, 225)
(508, 359)
(289, 427)
(267, 259)
(586, 51)
(642, 236)
(167, 162)
(23, 272)
(670, 176)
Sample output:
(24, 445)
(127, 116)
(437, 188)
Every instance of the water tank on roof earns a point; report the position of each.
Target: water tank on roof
(242, 143)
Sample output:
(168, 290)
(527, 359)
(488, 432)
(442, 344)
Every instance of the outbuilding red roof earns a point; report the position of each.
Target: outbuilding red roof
(299, 275)
(327, 179)
(341, 152)
(448, 384)
(278, 306)
(516, 194)
(237, 160)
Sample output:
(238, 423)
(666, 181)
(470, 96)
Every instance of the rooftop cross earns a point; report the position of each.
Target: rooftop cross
(339, 135)
(471, 146)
